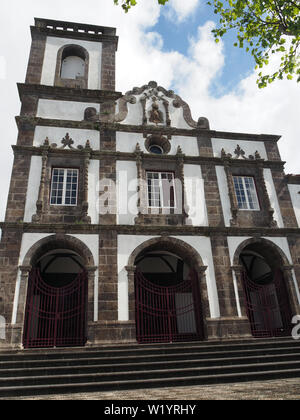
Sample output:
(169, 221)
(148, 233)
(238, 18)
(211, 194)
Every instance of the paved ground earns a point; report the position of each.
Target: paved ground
(285, 389)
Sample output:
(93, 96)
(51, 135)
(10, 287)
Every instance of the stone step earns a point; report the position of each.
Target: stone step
(145, 374)
(99, 357)
(136, 350)
(72, 388)
(67, 368)
(46, 371)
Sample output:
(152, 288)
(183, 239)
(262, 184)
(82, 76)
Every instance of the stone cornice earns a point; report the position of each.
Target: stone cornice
(106, 96)
(63, 29)
(196, 160)
(67, 94)
(196, 132)
(151, 230)
(293, 179)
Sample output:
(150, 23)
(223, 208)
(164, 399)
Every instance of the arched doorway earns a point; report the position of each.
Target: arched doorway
(266, 295)
(167, 298)
(57, 292)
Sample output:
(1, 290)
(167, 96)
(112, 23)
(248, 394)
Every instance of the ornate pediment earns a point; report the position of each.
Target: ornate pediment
(240, 154)
(153, 105)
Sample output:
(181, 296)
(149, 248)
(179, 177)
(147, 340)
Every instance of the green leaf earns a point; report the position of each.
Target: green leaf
(266, 25)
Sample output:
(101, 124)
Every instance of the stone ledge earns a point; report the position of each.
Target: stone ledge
(67, 93)
(150, 230)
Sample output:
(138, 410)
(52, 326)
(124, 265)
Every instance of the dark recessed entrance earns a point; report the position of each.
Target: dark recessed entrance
(168, 304)
(55, 314)
(266, 294)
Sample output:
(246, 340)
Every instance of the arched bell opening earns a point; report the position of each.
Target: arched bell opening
(72, 67)
(266, 295)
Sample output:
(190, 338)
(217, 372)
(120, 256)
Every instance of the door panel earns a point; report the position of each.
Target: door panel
(167, 313)
(55, 316)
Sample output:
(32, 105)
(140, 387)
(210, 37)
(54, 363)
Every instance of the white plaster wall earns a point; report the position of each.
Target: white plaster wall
(135, 114)
(92, 242)
(224, 194)
(127, 195)
(128, 243)
(33, 187)
(176, 116)
(56, 134)
(249, 147)
(233, 243)
(63, 110)
(189, 145)
(273, 197)
(53, 44)
(295, 196)
(93, 179)
(126, 142)
(195, 196)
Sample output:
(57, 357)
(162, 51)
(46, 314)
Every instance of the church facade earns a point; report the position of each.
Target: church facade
(128, 221)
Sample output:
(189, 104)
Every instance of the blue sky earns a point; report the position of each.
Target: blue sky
(172, 45)
(176, 36)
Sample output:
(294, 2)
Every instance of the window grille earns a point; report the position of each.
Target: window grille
(246, 194)
(64, 187)
(161, 189)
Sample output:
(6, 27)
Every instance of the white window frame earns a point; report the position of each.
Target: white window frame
(64, 189)
(246, 192)
(161, 190)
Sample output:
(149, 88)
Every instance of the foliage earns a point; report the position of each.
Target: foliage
(264, 27)
(127, 4)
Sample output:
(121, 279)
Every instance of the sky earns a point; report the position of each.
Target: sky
(172, 45)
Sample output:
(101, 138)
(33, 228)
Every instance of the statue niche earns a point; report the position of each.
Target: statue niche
(155, 115)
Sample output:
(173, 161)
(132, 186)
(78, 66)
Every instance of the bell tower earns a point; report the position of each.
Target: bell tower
(69, 86)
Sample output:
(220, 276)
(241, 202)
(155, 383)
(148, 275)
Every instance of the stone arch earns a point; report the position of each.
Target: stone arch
(271, 248)
(32, 256)
(183, 250)
(276, 259)
(77, 51)
(53, 242)
(174, 245)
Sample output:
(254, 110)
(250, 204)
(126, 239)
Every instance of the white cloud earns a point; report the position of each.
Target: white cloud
(2, 68)
(180, 10)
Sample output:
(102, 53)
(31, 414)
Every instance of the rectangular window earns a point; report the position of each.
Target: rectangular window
(64, 187)
(161, 189)
(246, 194)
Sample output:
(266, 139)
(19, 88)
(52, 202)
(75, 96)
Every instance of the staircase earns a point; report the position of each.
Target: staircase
(123, 367)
